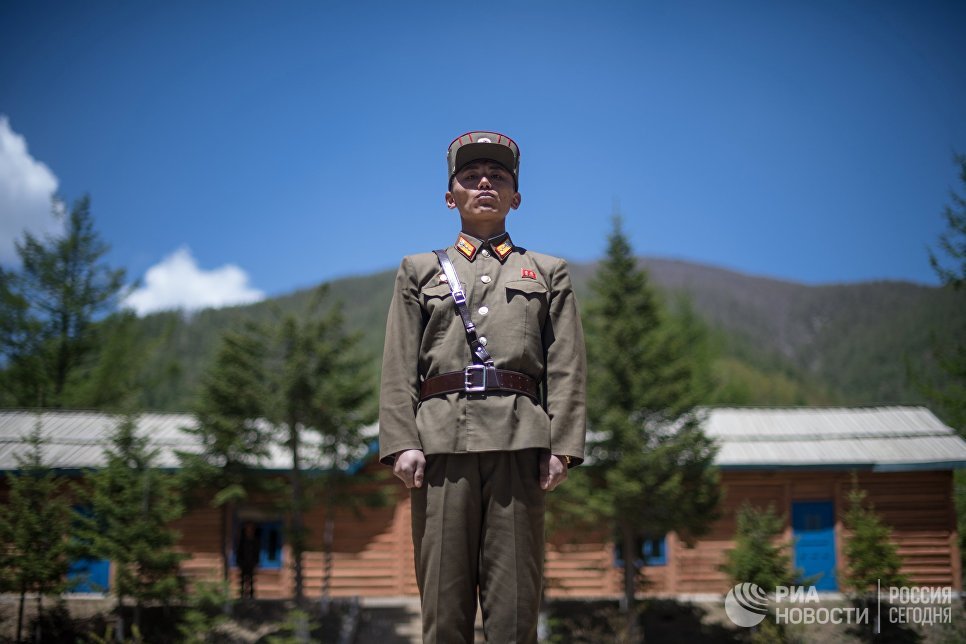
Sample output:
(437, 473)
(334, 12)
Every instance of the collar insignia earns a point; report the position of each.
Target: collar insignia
(464, 246)
(503, 249)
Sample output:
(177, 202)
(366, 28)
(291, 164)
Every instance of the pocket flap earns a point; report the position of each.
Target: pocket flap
(526, 286)
(440, 290)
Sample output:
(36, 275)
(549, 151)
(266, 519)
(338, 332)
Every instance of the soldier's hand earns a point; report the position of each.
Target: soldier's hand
(410, 465)
(553, 471)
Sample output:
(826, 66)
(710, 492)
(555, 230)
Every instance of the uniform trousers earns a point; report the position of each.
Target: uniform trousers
(478, 526)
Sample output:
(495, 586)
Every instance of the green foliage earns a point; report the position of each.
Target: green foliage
(296, 629)
(109, 636)
(203, 614)
(121, 371)
(651, 466)
(49, 309)
(231, 430)
(759, 556)
(132, 505)
(322, 390)
(869, 551)
(952, 242)
(948, 392)
(34, 524)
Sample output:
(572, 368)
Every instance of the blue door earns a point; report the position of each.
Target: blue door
(813, 528)
(88, 575)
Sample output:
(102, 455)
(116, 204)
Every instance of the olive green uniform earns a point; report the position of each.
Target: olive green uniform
(478, 518)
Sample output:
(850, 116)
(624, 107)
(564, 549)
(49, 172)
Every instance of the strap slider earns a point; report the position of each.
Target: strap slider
(459, 296)
(473, 383)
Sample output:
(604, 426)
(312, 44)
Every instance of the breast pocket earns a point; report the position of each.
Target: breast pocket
(527, 305)
(438, 309)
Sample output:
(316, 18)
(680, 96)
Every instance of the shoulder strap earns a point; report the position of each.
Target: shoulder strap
(459, 298)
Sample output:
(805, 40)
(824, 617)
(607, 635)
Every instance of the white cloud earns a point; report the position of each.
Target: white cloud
(178, 283)
(26, 186)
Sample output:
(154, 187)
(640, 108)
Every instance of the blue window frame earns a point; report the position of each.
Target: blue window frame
(653, 552)
(269, 535)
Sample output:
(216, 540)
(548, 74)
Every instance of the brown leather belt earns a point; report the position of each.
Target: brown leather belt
(477, 379)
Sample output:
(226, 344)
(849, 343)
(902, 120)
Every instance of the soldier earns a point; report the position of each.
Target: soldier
(246, 555)
(481, 403)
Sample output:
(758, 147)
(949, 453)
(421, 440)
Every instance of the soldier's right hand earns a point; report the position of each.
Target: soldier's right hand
(409, 467)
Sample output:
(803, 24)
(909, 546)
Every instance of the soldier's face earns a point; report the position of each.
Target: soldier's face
(483, 191)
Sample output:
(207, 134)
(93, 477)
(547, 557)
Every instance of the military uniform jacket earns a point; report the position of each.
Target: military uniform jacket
(523, 305)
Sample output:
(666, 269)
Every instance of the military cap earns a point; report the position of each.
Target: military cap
(493, 146)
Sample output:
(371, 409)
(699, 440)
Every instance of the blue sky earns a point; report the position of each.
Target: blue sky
(238, 149)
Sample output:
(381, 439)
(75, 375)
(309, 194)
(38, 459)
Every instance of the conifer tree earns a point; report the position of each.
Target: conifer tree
(759, 556)
(132, 504)
(49, 307)
(870, 554)
(651, 469)
(950, 267)
(231, 430)
(323, 398)
(34, 528)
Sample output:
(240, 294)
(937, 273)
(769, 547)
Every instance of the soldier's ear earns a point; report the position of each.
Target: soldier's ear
(515, 202)
(450, 202)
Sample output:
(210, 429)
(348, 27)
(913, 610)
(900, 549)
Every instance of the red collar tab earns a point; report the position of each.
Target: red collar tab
(503, 248)
(466, 247)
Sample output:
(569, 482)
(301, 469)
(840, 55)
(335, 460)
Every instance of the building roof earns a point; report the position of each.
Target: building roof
(876, 438)
(75, 440)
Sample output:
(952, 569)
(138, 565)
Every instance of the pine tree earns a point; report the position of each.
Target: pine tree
(651, 470)
(953, 241)
(950, 394)
(323, 398)
(49, 308)
(870, 554)
(759, 556)
(132, 504)
(231, 427)
(34, 526)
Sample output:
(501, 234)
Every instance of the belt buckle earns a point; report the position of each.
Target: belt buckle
(469, 385)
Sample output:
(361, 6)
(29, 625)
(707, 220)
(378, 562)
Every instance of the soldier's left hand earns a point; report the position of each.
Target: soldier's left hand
(553, 471)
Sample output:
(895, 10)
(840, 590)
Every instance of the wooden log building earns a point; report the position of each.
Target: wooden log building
(799, 460)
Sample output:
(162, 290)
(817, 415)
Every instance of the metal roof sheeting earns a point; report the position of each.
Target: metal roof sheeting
(880, 438)
(76, 439)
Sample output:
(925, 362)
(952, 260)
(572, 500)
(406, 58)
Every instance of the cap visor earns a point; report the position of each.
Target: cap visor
(489, 151)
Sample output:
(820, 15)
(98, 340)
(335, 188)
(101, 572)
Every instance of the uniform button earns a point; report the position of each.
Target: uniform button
(484, 310)
(483, 340)
(485, 279)
(485, 253)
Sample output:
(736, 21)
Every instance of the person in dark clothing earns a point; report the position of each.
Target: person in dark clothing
(246, 555)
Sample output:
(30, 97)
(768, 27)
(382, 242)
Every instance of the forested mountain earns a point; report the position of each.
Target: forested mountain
(774, 342)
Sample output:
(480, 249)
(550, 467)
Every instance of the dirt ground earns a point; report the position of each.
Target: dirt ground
(396, 621)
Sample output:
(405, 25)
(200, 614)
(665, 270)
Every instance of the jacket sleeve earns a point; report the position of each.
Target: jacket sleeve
(566, 368)
(399, 387)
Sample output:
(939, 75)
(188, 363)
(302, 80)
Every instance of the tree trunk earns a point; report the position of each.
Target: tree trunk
(23, 597)
(630, 586)
(328, 535)
(225, 546)
(38, 634)
(119, 633)
(297, 537)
